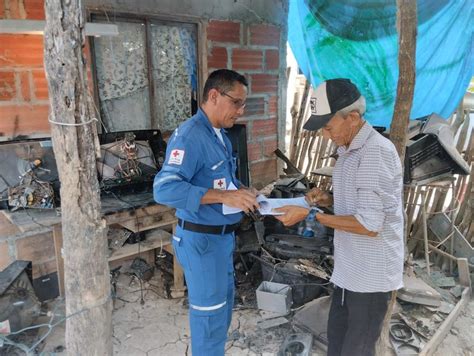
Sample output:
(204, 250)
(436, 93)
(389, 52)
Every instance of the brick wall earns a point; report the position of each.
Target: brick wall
(23, 88)
(253, 50)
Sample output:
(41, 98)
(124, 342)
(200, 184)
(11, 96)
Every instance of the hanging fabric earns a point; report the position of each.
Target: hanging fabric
(358, 39)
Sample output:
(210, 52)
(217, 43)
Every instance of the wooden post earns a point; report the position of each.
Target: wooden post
(73, 131)
(407, 28)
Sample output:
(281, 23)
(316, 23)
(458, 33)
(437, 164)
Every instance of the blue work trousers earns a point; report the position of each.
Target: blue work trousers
(207, 261)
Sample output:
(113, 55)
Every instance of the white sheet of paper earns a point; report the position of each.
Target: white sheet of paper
(268, 204)
(226, 210)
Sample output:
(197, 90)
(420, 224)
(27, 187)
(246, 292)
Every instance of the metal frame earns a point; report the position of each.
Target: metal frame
(148, 20)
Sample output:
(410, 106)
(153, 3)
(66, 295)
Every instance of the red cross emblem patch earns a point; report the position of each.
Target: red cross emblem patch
(176, 157)
(220, 184)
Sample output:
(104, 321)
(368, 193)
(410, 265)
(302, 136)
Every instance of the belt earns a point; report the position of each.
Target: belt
(208, 229)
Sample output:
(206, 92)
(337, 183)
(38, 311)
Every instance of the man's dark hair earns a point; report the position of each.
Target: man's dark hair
(222, 80)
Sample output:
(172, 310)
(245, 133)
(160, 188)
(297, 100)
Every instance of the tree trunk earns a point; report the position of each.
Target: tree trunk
(406, 26)
(73, 131)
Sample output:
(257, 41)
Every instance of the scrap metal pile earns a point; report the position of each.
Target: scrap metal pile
(266, 250)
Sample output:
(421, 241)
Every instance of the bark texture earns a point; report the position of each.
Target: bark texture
(74, 136)
(407, 30)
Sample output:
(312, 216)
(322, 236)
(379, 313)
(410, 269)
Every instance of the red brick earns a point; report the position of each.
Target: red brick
(5, 258)
(263, 172)
(264, 83)
(254, 151)
(2, 9)
(272, 59)
(269, 146)
(15, 12)
(223, 31)
(266, 35)
(7, 86)
(40, 85)
(273, 105)
(246, 59)
(254, 106)
(34, 9)
(261, 128)
(23, 119)
(25, 85)
(217, 58)
(21, 51)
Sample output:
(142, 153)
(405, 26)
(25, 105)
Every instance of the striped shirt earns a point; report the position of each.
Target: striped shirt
(367, 184)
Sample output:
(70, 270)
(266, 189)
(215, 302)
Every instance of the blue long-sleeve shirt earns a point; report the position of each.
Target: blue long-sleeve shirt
(196, 161)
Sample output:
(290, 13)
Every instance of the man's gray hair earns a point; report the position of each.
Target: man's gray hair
(358, 105)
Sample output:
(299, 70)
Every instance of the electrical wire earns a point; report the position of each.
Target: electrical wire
(50, 325)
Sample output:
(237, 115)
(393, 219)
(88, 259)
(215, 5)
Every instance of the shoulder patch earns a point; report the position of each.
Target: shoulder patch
(176, 157)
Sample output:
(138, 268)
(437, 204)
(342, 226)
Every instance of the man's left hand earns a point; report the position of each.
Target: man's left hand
(292, 214)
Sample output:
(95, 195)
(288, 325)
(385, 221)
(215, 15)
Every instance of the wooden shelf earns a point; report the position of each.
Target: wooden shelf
(154, 239)
(150, 222)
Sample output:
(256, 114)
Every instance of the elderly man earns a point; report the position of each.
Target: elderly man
(367, 220)
(197, 178)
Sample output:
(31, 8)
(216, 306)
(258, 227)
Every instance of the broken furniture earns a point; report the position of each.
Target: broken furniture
(19, 306)
(149, 217)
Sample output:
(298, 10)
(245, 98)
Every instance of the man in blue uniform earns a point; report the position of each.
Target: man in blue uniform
(197, 178)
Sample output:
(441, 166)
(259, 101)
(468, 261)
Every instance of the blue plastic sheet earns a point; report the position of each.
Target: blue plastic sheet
(358, 39)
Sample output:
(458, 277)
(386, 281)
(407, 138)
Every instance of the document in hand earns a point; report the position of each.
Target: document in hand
(268, 204)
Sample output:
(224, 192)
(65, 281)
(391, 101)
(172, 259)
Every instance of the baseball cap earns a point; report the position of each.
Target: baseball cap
(329, 97)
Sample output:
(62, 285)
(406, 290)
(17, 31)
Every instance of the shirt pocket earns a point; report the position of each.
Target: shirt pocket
(218, 173)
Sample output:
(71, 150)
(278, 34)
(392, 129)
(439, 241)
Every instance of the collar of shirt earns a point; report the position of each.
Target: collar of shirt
(205, 121)
(358, 140)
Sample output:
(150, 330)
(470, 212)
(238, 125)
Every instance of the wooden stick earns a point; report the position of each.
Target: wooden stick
(444, 328)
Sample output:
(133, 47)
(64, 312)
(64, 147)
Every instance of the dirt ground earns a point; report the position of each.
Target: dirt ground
(160, 327)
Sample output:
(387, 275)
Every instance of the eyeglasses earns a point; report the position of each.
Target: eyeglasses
(238, 103)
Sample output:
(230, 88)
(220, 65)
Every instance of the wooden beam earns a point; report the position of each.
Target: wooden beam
(444, 328)
(464, 274)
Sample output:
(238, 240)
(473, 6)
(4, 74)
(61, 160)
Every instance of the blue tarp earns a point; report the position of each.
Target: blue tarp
(357, 39)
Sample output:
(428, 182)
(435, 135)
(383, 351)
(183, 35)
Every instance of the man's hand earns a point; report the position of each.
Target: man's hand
(318, 197)
(292, 214)
(244, 199)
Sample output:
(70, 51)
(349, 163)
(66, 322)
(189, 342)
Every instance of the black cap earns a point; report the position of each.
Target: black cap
(329, 97)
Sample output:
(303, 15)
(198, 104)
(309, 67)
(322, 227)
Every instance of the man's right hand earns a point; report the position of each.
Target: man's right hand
(318, 197)
(244, 199)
